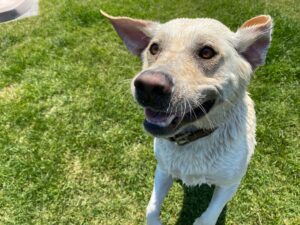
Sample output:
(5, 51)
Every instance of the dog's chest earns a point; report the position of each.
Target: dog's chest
(212, 163)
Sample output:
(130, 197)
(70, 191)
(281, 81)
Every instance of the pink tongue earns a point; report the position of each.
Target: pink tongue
(155, 116)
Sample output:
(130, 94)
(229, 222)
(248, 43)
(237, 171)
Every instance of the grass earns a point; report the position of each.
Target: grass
(72, 148)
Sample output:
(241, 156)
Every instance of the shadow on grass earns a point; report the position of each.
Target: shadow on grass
(195, 202)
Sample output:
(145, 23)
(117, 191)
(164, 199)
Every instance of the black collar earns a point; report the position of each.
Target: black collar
(189, 136)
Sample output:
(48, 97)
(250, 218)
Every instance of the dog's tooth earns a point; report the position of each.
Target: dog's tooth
(170, 119)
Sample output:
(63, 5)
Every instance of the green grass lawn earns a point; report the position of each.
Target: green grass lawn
(72, 147)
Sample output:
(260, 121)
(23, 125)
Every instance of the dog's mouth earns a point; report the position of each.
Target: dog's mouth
(160, 123)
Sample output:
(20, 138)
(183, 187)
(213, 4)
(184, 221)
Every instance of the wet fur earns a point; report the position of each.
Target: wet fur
(222, 157)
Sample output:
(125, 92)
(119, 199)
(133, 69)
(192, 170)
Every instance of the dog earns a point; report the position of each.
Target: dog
(193, 88)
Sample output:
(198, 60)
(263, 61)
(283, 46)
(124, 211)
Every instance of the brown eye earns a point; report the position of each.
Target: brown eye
(154, 48)
(206, 53)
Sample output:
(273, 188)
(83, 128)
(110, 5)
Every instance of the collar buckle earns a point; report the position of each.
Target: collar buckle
(189, 136)
(181, 139)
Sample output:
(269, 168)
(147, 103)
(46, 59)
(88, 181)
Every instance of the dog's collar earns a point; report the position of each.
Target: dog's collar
(189, 136)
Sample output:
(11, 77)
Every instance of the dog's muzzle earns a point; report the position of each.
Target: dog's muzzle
(153, 91)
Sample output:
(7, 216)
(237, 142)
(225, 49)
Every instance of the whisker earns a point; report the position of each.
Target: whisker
(169, 110)
(226, 100)
(181, 113)
(191, 108)
(211, 124)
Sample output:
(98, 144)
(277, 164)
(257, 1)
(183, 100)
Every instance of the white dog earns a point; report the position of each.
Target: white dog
(193, 91)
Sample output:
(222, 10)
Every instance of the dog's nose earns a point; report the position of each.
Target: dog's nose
(152, 85)
(156, 83)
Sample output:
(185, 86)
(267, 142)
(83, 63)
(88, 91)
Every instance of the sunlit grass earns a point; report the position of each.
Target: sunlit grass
(72, 148)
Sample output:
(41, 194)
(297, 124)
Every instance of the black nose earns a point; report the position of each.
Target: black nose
(153, 88)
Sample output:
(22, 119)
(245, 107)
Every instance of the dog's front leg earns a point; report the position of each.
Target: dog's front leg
(222, 194)
(162, 184)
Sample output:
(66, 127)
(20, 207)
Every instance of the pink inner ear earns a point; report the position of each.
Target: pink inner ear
(135, 40)
(255, 37)
(259, 20)
(132, 35)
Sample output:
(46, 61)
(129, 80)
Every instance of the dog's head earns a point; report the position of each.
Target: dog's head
(193, 69)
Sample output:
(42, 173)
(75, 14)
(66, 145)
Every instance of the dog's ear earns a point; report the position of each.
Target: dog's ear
(254, 38)
(136, 34)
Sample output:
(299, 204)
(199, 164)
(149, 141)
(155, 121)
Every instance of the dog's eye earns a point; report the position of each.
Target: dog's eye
(206, 52)
(154, 49)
